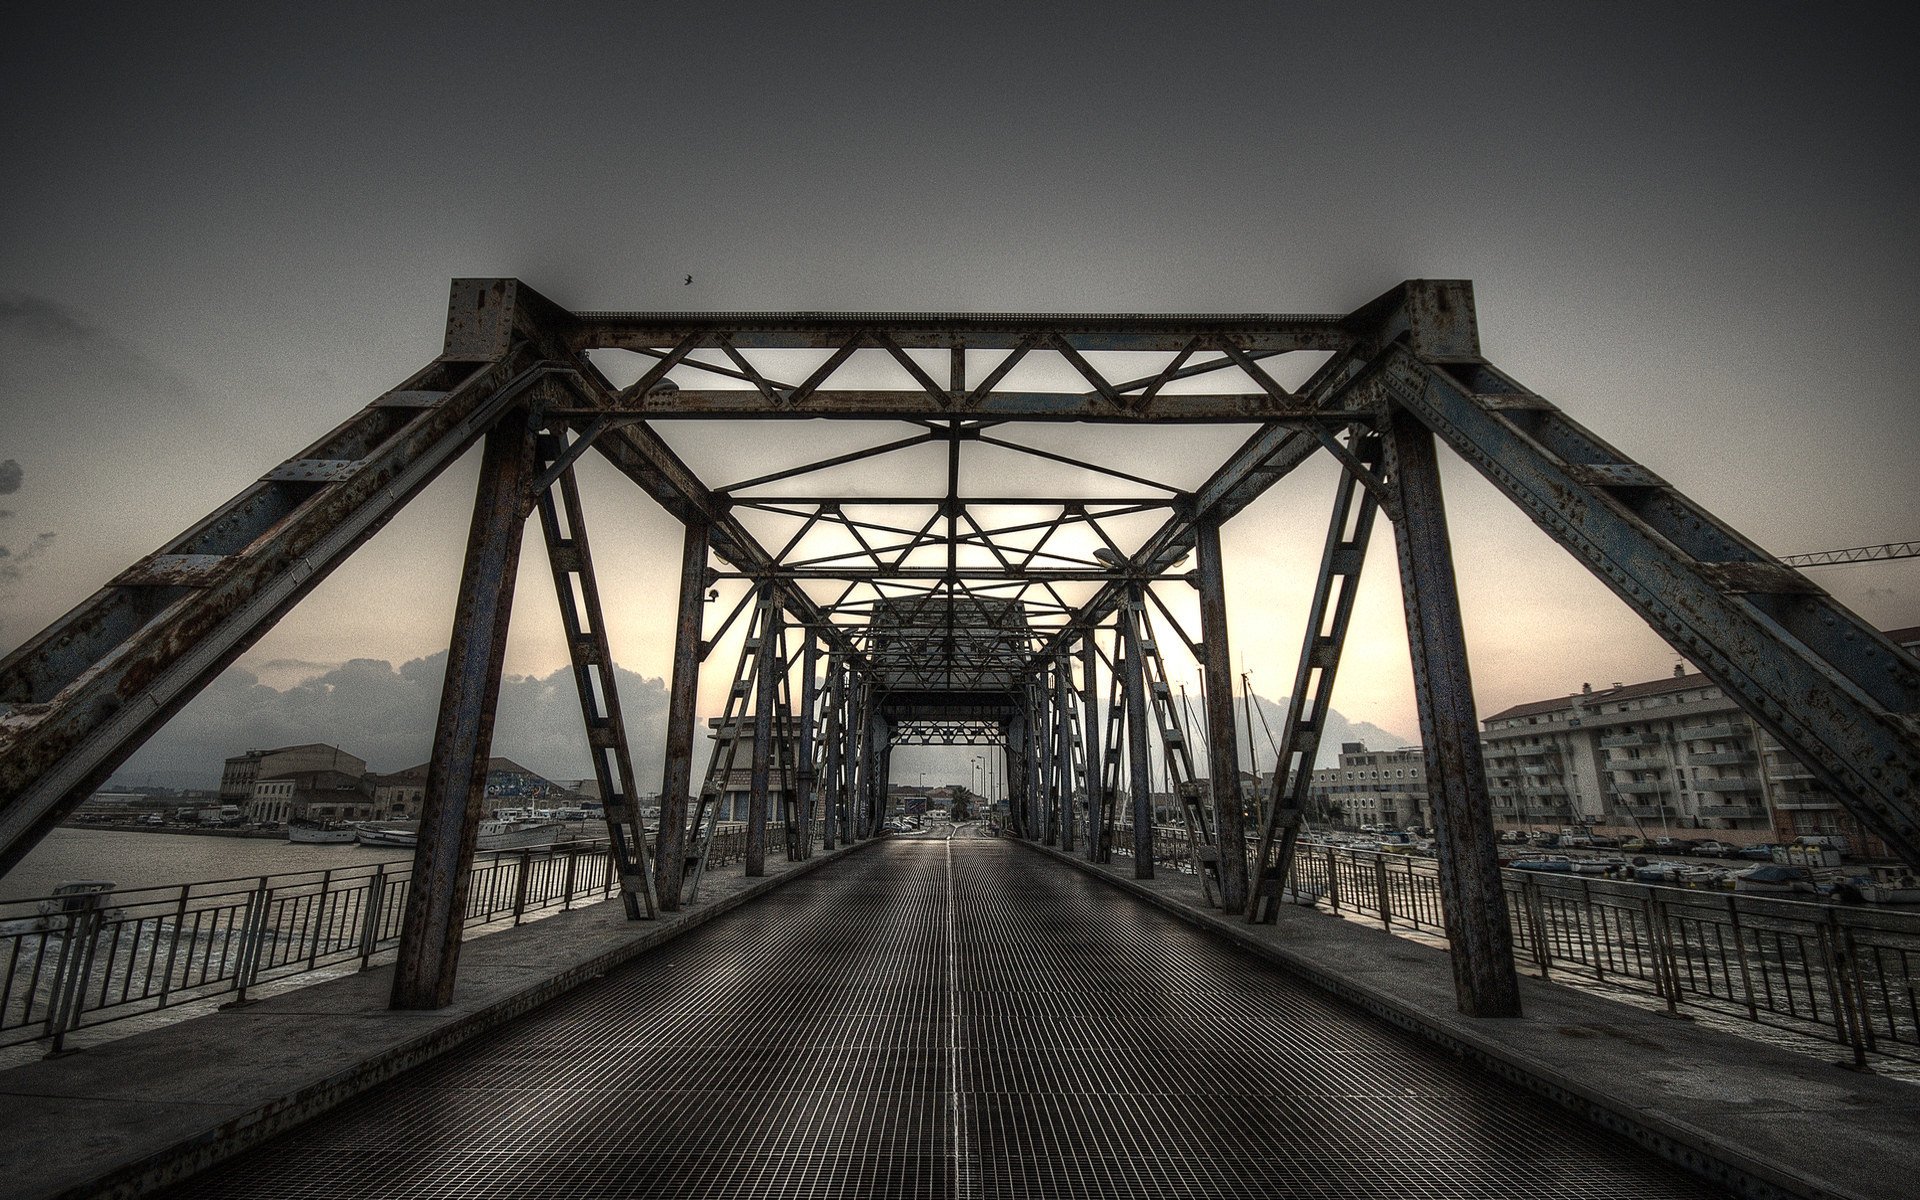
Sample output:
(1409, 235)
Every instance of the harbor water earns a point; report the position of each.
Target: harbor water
(133, 859)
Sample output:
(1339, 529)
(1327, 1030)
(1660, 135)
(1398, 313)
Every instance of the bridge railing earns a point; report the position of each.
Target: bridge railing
(1844, 973)
(75, 961)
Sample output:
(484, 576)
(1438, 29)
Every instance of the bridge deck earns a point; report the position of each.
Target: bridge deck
(822, 1041)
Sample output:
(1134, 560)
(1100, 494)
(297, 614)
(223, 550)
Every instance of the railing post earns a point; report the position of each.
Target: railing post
(370, 920)
(1533, 908)
(1380, 887)
(520, 885)
(1593, 928)
(319, 919)
(1666, 973)
(1740, 954)
(250, 939)
(70, 973)
(1333, 880)
(173, 943)
(1846, 1019)
(566, 892)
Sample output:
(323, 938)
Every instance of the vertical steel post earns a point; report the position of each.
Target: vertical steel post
(1139, 764)
(835, 734)
(883, 778)
(767, 677)
(1473, 904)
(1063, 763)
(1018, 776)
(676, 779)
(803, 759)
(1223, 754)
(1093, 761)
(463, 734)
(1046, 810)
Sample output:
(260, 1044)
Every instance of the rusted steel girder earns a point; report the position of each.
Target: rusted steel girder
(87, 691)
(676, 778)
(1841, 697)
(570, 559)
(1132, 670)
(1329, 615)
(1474, 906)
(1093, 759)
(463, 734)
(1223, 756)
(767, 679)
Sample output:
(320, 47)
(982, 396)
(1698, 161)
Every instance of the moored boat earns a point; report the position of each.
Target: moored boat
(311, 833)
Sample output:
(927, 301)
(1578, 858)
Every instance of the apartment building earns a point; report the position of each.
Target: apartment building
(1373, 787)
(1662, 756)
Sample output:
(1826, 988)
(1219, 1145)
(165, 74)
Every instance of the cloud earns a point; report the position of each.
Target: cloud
(51, 330)
(10, 475)
(385, 715)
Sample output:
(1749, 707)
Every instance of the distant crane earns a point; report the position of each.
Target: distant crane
(1827, 558)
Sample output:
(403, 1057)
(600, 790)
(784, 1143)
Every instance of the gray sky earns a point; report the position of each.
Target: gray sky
(1690, 225)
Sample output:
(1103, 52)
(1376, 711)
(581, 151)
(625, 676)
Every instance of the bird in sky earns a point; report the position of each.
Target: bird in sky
(689, 279)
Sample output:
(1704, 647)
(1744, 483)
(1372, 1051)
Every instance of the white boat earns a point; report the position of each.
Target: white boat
(306, 833)
(494, 835)
(376, 835)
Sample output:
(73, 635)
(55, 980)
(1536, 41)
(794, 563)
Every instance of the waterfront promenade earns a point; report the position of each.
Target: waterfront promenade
(822, 1039)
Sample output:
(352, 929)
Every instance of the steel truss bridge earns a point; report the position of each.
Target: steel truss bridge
(969, 576)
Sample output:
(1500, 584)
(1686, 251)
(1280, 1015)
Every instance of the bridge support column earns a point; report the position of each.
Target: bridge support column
(1018, 776)
(1092, 762)
(800, 841)
(884, 777)
(1223, 754)
(1474, 907)
(463, 734)
(1046, 810)
(834, 732)
(1063, 763)
(766, 698)
(676, 777)
(1139, 763)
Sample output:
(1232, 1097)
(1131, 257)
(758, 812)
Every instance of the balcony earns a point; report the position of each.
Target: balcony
(1552, 768)
(1732, 783)
(1543, 814)
(1735, 812)
(1646, 810)
(1807, 803)
(1722, 758)
(1543, 789)
(1630, 739)
(1710, 733)
(1643, 787)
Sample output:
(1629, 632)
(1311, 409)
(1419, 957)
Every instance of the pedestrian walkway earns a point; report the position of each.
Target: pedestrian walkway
(947, 1019)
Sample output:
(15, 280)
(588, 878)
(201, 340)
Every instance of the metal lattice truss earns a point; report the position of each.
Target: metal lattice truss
(940, 554)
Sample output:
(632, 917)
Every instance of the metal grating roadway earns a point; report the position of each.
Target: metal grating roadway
(818, 1043)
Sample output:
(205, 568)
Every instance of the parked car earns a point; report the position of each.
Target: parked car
(1713, 849)
(1635, 845)
(1759, 852)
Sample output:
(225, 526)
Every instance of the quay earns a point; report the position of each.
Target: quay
(961, 1017)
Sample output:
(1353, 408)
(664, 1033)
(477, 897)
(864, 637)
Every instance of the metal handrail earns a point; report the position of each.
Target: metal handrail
(1844, 973)
(76, 961)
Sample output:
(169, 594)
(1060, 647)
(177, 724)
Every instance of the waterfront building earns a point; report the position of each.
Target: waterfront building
(400, 796)
(1373, 787)
(242, 771)
(1668, 755)
(324, 795)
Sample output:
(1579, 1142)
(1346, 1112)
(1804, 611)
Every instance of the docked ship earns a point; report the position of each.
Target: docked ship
(321, 833)
(495, 834)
